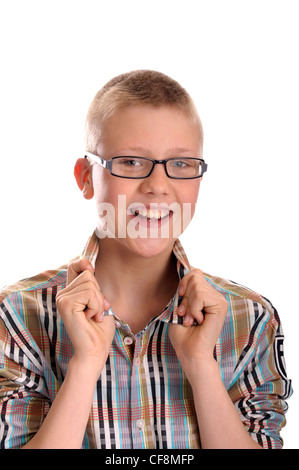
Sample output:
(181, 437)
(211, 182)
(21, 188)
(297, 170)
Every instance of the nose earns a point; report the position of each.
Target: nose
(158, 182)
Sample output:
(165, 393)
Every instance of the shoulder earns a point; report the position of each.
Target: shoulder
(242, 299)
(237, 292)
(23, 294)
(28, 318)
(251, 322)
(252, 334)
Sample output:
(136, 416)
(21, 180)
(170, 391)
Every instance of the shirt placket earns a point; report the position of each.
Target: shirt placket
(137, 382)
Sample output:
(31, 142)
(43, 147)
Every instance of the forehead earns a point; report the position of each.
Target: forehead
(158, 129)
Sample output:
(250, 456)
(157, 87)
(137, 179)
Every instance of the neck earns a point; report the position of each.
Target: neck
(121, 269)
(131, 282)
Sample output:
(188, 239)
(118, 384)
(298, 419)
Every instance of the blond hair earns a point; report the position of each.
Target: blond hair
(137, 87)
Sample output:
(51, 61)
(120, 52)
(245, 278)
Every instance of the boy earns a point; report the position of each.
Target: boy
(115, 367)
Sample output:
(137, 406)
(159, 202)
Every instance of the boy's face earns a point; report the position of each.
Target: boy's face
(152, 132)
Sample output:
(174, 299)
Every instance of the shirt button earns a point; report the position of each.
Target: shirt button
(140, 423)
(128, 340)
(137, 362)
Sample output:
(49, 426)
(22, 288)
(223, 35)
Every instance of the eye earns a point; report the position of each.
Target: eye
(179, 163)
(129, 161)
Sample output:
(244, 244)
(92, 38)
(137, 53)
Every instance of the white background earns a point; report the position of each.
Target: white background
(239, 61)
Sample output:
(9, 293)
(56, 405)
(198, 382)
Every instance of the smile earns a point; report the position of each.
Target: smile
(151, 214)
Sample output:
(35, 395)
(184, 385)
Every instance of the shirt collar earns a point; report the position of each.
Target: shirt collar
(169, 314)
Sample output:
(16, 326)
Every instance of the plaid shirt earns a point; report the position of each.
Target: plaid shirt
(142, 398)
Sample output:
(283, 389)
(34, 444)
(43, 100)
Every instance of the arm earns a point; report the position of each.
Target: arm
(81, 306)
(65, 423)
(220, 426)
(219, 423)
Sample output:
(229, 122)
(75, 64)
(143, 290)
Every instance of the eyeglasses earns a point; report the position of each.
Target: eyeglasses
(185, 168)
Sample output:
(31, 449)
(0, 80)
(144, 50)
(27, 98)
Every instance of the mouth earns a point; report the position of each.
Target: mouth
(151, 215)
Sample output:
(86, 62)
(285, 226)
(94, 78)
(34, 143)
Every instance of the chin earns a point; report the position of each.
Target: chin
(152, 236)
(150, 247)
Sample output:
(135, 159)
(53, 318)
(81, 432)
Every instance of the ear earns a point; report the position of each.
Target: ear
(83, 175)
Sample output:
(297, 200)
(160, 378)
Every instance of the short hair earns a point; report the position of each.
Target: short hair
(137, 87)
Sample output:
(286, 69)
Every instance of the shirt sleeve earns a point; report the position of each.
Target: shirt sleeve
(260, 387)
(24, 398)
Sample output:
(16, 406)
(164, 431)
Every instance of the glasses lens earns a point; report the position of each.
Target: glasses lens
(184, 167)
(131, 167)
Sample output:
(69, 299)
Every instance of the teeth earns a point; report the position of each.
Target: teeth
(151, 213)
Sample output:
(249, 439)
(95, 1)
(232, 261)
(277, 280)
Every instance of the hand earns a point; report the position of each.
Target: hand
(196, 343)
(81, 305)
(188, 308)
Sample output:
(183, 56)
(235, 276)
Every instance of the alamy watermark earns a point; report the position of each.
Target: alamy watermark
(156, 220)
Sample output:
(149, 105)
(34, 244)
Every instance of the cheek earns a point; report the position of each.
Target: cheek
(187, 198)
(101, 184)
(190, 194)
(108, 188)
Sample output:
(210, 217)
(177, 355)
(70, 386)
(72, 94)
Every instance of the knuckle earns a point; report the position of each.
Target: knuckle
(91, 292)
(79, 263)
(197, 295)
(62, 303)
(72, 263)
(87, 275)
(196, 272)
(224, 304)
(77, 266)
(59, 297)
(197, 275)
(195, 311)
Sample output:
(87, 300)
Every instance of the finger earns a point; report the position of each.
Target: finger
(183, 311)
(97, 314)
(184, 283)
(194, 308)
(188, 320)
(183, 306)
(82, 297)
(191, 276)
(182, 287)
(88, 277)
(85, 277)
(76, 267)
(98, 317)
(81, 289)
(94, 305)
(192, 315)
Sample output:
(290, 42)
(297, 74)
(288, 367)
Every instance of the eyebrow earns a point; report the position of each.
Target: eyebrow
(173, 151)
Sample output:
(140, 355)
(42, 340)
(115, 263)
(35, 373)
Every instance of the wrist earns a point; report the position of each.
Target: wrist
(203, 369)
(87, 369)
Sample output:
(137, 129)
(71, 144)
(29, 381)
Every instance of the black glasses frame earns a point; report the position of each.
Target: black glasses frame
(108, 165)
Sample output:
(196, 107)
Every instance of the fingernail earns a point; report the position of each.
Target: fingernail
(181, 308)
(99, 317)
